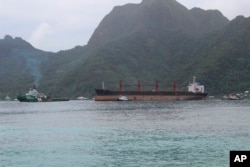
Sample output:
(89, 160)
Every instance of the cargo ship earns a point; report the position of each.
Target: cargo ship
(195, 92)
(34, 96)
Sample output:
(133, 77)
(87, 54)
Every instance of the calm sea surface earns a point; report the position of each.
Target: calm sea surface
(123, 134)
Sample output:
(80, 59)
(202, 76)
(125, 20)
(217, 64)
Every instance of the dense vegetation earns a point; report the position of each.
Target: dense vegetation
(153, 41)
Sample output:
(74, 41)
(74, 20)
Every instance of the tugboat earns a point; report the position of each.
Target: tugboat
(34, 96)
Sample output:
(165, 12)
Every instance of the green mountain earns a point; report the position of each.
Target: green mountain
(156, 40)
(156, 16)
(225, 60)
(20, 65)
(148, 42)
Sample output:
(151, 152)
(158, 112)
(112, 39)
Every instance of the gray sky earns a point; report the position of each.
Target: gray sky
(53, 25)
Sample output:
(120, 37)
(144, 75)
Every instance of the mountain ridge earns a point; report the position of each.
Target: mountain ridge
(153, 16)
(133, 45)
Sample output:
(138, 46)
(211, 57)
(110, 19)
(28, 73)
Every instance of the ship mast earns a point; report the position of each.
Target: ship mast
(103, 86)
(194, 79)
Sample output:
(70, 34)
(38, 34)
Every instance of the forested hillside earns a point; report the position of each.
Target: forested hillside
(20, 65)
(156, 40)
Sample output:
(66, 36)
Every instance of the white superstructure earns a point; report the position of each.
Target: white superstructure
(35, 93)
(195, 87)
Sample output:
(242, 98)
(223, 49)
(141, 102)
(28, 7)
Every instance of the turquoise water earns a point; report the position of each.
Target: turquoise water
(129, 134)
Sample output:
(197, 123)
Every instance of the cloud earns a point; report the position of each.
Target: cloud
(40, 33)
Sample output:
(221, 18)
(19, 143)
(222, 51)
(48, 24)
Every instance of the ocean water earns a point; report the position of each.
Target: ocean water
(123, 134)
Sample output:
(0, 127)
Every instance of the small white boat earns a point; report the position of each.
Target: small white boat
(122, 98)
(7, 98)
(232, 97)
(81, 98)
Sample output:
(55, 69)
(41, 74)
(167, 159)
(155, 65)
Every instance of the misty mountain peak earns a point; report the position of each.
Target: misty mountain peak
(156, 16)
(16, 42)
(150, 2)
(8, 38)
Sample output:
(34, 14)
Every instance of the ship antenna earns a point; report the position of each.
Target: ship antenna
(194, 78)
